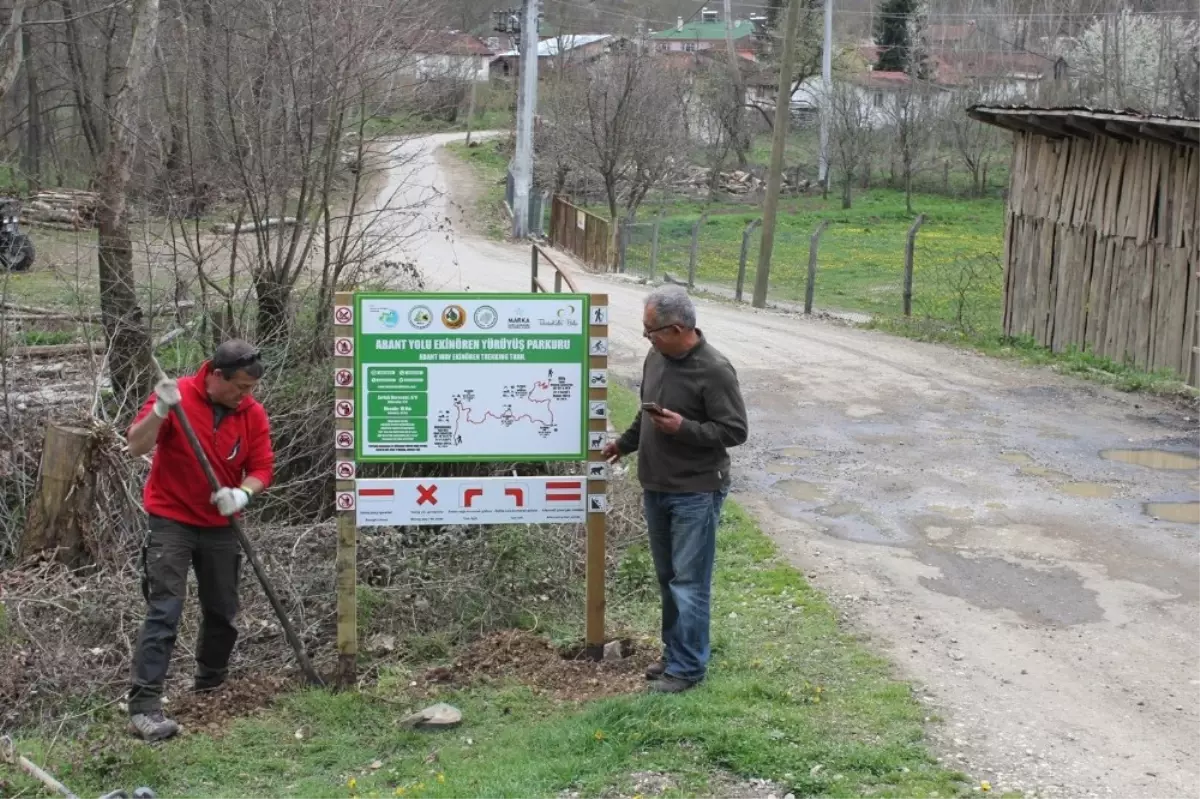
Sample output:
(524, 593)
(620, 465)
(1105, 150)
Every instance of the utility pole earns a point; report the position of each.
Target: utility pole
(735, 75)
(778, 139)
(526, 108)
(827, 91)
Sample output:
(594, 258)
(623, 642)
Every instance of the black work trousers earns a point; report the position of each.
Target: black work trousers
(170, 549)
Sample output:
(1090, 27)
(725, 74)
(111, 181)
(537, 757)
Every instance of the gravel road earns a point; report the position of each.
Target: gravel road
(979, 520)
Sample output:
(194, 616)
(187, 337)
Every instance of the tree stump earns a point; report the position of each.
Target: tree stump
(57, 519)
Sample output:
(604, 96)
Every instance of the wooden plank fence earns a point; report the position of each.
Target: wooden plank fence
(585, 235)
(1101, 248)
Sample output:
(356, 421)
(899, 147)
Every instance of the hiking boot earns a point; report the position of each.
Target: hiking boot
(656, 669)
(152, 726)
(207, 686)
(670, 684)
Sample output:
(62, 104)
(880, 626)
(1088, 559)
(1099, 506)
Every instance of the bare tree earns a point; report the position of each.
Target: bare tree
(853, 132)
(975, 144)
(128, 339)
(11, 50)
(621, 123)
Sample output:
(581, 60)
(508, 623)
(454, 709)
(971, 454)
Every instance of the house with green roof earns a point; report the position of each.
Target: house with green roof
(706, 33)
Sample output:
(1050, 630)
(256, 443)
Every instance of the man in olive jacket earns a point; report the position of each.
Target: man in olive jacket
(692, 410)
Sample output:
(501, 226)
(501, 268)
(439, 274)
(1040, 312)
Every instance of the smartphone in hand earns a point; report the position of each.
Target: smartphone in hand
(652, 407)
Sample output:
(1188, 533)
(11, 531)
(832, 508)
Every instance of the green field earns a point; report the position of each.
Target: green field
(860, 263)
(791, 698)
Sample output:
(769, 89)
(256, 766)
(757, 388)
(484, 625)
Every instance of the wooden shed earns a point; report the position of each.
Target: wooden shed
(1100, 236)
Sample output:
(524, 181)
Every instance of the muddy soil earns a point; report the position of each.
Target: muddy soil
(969, 514)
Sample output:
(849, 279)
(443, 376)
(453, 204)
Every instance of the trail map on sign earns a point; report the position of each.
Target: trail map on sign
(471, 377)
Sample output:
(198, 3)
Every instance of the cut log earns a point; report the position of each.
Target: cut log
(230, 228)
(55, 350)
(59, 514)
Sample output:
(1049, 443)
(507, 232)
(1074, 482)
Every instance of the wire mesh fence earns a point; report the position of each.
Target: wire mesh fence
(860, 263)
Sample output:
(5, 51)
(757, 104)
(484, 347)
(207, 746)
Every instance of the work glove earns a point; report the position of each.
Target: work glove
(166, 396)
(230, 500)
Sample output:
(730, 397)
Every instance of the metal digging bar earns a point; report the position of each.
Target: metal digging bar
(306, 665)
(8, 754)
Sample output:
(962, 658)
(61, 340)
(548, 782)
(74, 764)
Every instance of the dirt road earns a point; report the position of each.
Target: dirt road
(978, 519)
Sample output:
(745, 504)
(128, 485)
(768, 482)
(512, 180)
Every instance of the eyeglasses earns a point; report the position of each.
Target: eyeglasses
(648, 333)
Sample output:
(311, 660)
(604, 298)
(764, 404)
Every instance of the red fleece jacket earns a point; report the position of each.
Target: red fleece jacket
(238, 447)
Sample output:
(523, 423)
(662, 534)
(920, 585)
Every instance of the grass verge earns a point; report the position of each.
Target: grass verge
(1123, 377)
(489, 162)
(791, 698)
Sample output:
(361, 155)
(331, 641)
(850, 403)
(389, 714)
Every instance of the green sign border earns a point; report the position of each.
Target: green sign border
(359, 387)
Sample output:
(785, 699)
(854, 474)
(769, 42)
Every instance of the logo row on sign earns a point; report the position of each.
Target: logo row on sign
(452, 316)
(470, 500)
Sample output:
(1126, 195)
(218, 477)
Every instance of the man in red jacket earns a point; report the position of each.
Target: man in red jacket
(188, 522)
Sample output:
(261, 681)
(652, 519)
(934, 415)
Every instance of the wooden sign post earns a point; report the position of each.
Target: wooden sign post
(597, 473)
(346, 570)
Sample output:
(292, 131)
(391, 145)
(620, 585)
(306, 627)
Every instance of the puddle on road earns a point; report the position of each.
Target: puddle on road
(1043, 596)
(780, 468)
(797, 452)
(1088, 490)
(881, 439)
(1042, 471)
(1180, 512)
(953, 512)
(799, 489)
(1015, 457)
(1153, 458)
(840, 509)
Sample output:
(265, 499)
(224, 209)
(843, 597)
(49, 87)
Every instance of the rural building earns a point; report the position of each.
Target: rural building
(555, 52)
(707, 33)
(451, 55)
(1100, 242)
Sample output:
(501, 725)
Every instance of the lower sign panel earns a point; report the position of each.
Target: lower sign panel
(470, 500)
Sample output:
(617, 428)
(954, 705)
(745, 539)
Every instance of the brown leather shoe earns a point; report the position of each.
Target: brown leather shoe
(656, 669)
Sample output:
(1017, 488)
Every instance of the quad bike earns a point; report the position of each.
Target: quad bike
(16, 248)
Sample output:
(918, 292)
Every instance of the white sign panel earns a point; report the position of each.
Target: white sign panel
(470, 500)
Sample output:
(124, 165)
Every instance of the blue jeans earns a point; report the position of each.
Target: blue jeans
(683, 544)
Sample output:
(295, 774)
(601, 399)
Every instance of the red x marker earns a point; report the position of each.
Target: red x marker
(426, 495)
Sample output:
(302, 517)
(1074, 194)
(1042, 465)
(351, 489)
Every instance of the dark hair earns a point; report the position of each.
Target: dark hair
(235, 356)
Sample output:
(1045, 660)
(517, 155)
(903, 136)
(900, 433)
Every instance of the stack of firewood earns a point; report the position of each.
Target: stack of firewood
(64, 209)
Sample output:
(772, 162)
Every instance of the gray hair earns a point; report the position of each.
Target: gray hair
(672, 306)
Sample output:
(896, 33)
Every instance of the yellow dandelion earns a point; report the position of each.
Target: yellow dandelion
(599, 736)
(352, 783)
(401, 790)
(985, 786)
(441, 778)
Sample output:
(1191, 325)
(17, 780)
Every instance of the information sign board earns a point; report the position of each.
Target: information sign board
(471, 377)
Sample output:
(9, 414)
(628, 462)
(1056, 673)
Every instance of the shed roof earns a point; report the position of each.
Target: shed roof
(706, 31)
(1088, 123)
(547, 48)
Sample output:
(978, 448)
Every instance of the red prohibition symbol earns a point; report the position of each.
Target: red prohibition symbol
(343, 409)
(345, 501)
(343, 347)
(345, 470)
(343, 315)
(343, 378)
(345, 439)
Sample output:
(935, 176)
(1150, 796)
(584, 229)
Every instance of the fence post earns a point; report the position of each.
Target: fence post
(908, 262)
(622, 244)
(691, 284)
(814, 241)
(741, 278)
(534, 263)
(654, 243)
